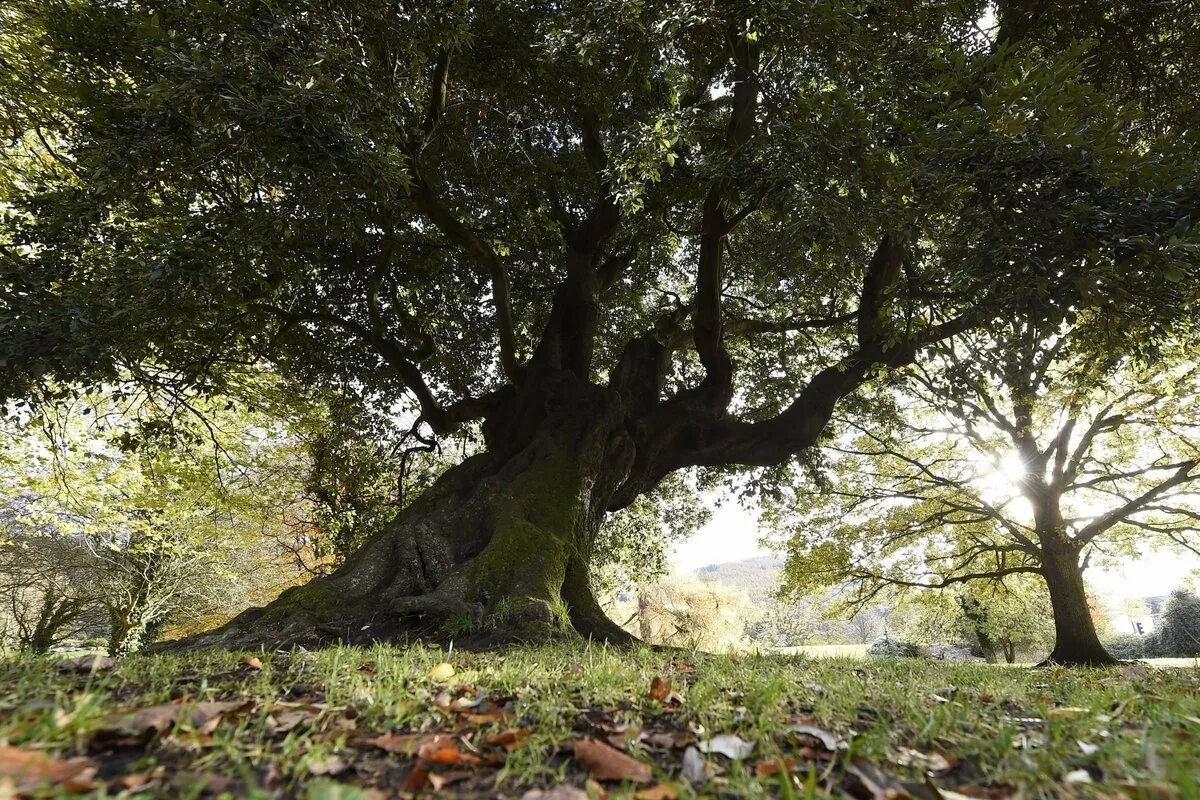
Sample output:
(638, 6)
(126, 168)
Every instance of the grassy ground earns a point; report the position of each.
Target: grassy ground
(332, 724)
(827, 650)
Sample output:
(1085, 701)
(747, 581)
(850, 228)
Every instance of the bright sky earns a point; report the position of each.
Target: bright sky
(733, 535)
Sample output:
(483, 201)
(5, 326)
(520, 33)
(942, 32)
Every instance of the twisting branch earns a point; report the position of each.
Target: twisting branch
(714, 227)
(446, 221)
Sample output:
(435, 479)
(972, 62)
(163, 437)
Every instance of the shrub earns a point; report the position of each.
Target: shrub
(1128, 645)
(1179, 627)
(893, 648)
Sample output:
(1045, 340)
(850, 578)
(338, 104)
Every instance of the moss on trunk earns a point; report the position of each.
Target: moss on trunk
(497, 549)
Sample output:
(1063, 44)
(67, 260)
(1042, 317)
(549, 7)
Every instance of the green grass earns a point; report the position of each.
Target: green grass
(1013, 732)
(827, 650)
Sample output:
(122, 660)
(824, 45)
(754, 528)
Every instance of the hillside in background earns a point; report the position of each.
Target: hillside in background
(757, 577)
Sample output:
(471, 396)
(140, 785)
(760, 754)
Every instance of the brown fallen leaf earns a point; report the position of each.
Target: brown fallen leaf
(205, 717)
(252, 662)
(417, 777)
(622, 735)
(435, 743)
(151, 719)
(509, 739)
(659, 791)
(32, 769)
(774, 765)
(605, 763)
(452, 756)
(400, 743)
(660, 688)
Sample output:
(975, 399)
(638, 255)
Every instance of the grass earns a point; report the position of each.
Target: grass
(978, 730)
(827, 650)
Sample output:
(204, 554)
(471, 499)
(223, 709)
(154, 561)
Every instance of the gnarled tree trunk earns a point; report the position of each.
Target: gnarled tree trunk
(498, 547)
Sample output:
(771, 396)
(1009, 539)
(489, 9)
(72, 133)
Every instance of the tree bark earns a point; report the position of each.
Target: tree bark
(1075, 639)
(496, 550)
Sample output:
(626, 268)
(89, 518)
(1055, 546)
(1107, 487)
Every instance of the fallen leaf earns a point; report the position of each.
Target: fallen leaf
(442, 672)
(400, 743)
(605, 763)
(252, 662)
(660, 739)
(452, 756)
(330, 765)
(285, 721)
(435, 744)
(728, 745)
(88, 663)
(440, 780)
(622, 735)
(31, 769)
(660, 688)
(205, 717)
(557, 793)
(774, 765)
(659, 791)
(930, 762)
(1077, 776)
(151, 719)
(416, 779)
(830, 741)
(696, 768)
(1065, 711)
(1087, 748)
(509, 739)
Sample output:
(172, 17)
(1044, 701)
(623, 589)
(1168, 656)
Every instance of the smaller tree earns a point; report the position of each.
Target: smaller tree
(1001, 620)
(48, 596)
(689, 612)
(1015, 452)
(136, 519)
(1179, 626)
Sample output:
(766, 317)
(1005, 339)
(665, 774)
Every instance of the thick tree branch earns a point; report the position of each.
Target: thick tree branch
(1182, 475)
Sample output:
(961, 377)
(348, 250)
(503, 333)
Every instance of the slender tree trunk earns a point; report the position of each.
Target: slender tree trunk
(497, 549)
(1075, 639)
(643, 604)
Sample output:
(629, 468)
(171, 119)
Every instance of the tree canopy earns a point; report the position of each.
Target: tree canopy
(1008, 452)
(636, 237)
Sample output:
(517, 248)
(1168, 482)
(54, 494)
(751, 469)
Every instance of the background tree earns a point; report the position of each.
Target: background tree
(118, 522)
(1011, 453)
(47, 594)
(623, 239)
(684, 611)
(1001, 619)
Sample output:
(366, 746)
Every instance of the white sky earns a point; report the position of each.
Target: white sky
(733, 535)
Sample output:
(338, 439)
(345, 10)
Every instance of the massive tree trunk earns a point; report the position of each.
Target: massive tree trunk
(1075, 639)
(497, 548)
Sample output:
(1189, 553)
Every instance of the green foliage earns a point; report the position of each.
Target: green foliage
(999, 445)
(144, 525)
(1130, 646)
(1179, 626)
(205, 184)
(1001, 619)
(633, 544)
